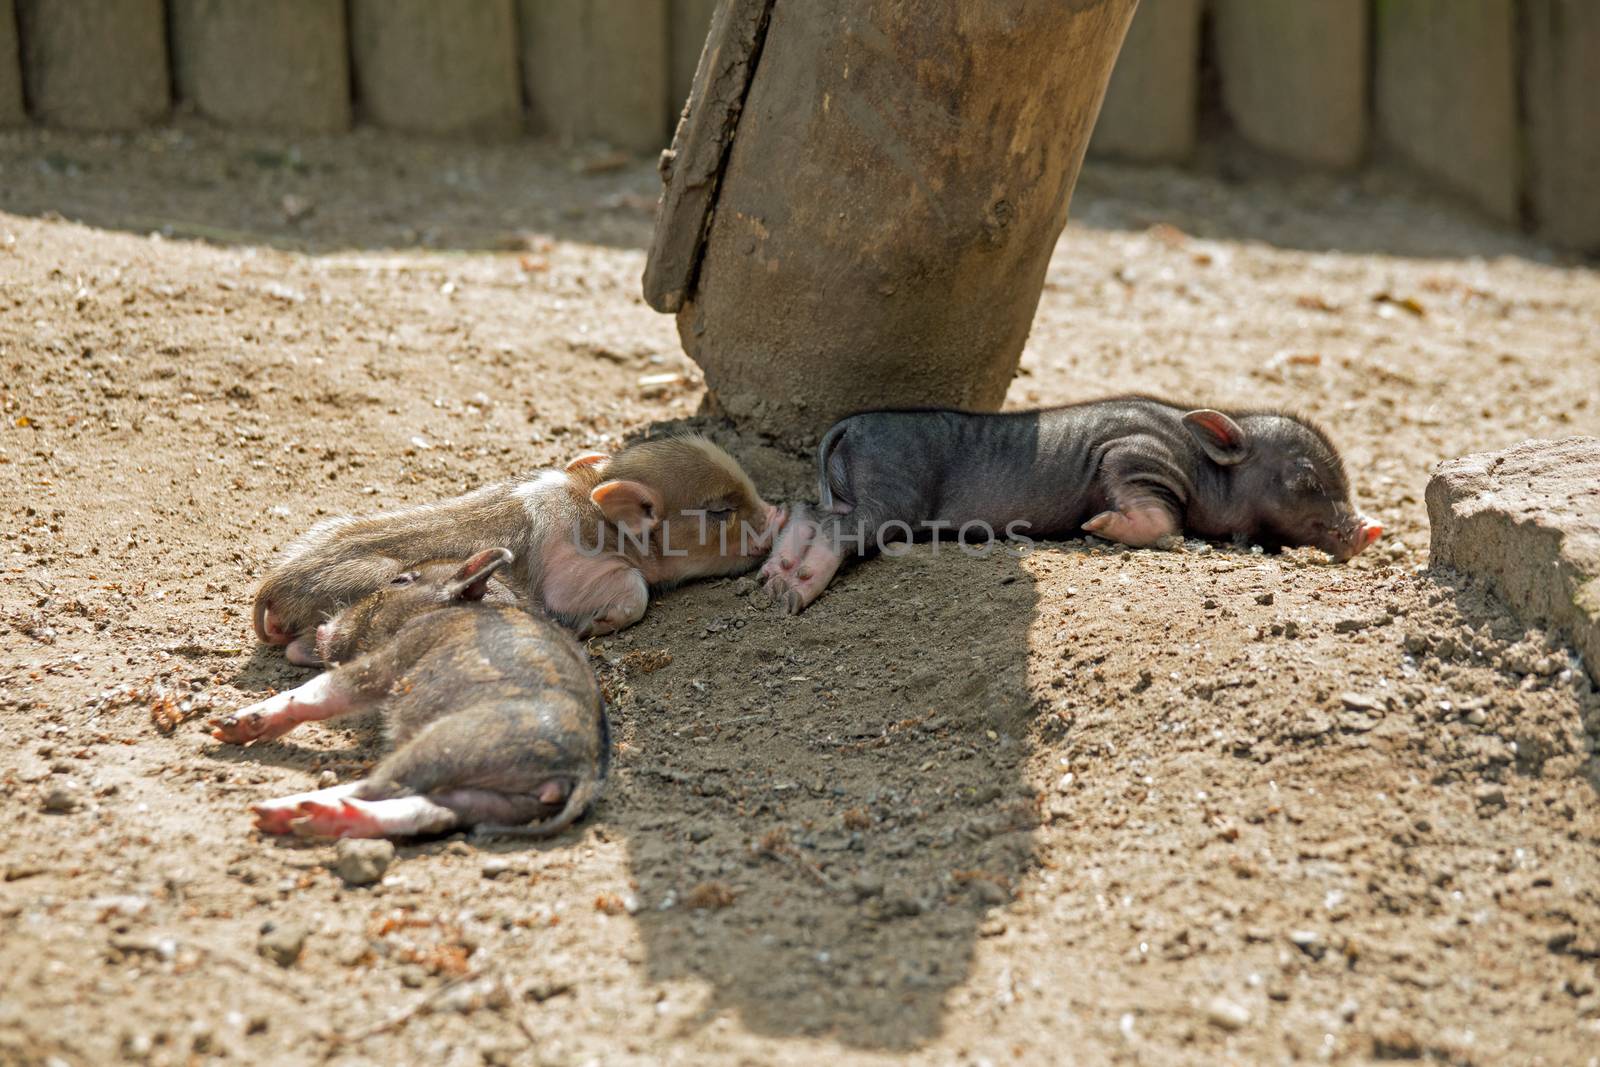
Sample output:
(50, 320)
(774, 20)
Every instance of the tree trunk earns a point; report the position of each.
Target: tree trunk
(877, 232)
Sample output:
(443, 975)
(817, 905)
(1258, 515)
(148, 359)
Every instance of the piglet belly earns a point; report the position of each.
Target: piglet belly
(1027, 511)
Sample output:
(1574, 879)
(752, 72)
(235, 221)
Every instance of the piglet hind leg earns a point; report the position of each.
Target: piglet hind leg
(277, 816)
(411, 816)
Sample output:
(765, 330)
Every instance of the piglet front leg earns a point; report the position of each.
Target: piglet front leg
(324, 697)
(1137, 526)
(1141, 477)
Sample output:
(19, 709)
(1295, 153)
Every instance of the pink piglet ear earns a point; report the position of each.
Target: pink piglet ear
(633, 506)
(1223, 439)
(471, 582)
(588, 459)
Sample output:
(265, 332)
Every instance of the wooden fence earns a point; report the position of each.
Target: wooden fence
(1497, 100)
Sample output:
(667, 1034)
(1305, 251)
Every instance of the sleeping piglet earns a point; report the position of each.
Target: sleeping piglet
(591, 540)
(1131, 469)
(495, 715)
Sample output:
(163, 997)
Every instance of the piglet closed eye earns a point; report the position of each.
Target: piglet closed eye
(494, 715)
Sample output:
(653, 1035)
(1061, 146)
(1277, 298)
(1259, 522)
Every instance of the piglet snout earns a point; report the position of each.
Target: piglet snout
(1363, 534)
(268, 627)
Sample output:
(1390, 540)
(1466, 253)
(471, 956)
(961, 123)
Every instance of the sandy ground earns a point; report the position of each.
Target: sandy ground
(1074, 805)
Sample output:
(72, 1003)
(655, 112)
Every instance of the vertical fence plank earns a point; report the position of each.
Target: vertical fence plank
(437, 66)
(599, 69)
(690, 21)
(11, 110)
(1294, 76)
(281, 65)
(1447, 97)
(94, 65)
(1149, 110)
(1561, 62)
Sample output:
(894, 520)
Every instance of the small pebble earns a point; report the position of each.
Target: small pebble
(1265, 598)
(866, 885)
(362, 861)
(282, 943)
(1227, 1015)
(495, 866)
(60, 801)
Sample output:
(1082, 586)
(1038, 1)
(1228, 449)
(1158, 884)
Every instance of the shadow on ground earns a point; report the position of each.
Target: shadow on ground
(822, 811)
(363, 190)
(377, 191)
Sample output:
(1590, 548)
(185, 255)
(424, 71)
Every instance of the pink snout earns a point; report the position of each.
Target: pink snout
(1362, 536)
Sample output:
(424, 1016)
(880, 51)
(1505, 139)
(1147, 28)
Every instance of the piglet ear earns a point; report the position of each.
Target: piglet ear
(471, 582)
(633, 506)
(588, 459)
(1223, 439)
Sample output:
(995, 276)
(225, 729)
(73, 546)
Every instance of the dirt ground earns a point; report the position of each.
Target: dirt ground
(1074, 805)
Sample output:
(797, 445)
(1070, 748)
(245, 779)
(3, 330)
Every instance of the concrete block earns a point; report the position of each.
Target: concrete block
(437, 66)
(599, 70)
(1149, 110)
(12, 112)
(283, 65)
(1561, 94)
(1527, 519)
(1294, 76)
(1446, 95)
(92, 65)
(690, 21)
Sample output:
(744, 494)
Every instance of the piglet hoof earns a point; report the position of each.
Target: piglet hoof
(275, 817)
(1138, 528)
(241, 728)
(336, 818)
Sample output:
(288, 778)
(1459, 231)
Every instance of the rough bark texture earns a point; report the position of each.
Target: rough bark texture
(899, 178)
(1561, 61)
(1447, 95)
(281, 65)
(1149, 113)
(690, 21)
(11, 109)
(93, 65)
(1294, 76)
(437, 66)
(1528, 520)
(691, 171)
(598, 70)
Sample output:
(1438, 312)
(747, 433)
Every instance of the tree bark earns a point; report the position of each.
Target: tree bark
(878, 230)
